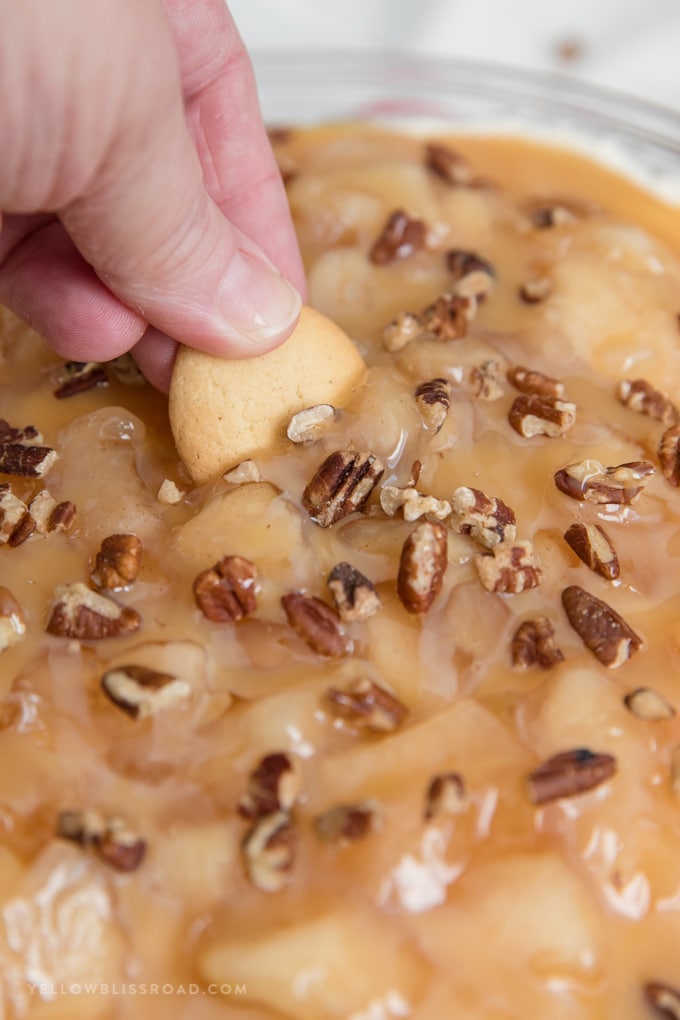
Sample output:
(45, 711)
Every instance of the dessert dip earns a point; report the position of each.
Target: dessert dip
(382, 720)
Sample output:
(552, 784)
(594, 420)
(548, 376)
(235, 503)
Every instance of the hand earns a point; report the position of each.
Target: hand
(141, 199)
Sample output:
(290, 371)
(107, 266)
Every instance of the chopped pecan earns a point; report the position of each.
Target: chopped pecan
(169, 493)
(445, 796)
(639, 395)
(308, 424)
(423, 563)
(22, 530)
(448, 165)
(355, 597)
(43, 515)
(124, 368)
(536, 289)
(268, 851)
(433, 399)
(227, 591)
(117, 563)
(246, 471)
(27, 436)
(559, 212)
(50, 516)
(347, 823)
(669, 455)
(589, 480)
(485, 380)
(486, 519)
(473, 276)
(602, 630)
(534, 644)
(367, 705)
(399, 333)
(570, 773)
(13, 517)
(111, 837)
(413, 504)
(142, 692)
(528, 380)
(401, 236)
(341, 485)
(317, 624)
(592, 544)
(532, 415)
(80, 376)
(80, 613)
(665, 999)
(274, 785)
(646, 703)
(12, 620)
(31, 461)
(448, 317)
(509, 568)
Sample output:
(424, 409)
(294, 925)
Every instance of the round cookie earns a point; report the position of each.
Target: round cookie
(224, 411)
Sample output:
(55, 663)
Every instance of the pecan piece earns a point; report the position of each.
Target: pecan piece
(124, 368)
(246, 471)
(347, 823)
(532, 415)
(535, 290)
(12, 620)
(111, 838)
(226, 592)
(13, 517)
(589, 480)
(602, 630)
(399, 333)
(445, 796)
(509, 568)
(559, 212)
(355, 597)
(433, 399)
(367, 705)
(485, 380)
(473, 276)
(341, 485)
(274, 785)
(569, 773)
(80, 376)
(142, 692)
(26, 436)
(528, 380)
(117, 563)
(646, 703)
(487, 519)
(317, 624)
(534, 644)
(401, 236)
(665, 999)
(448, 165)
(30, 461)
(169, 493)
(308, 424)
(424, 559)
(80, 613)
(669, 455)
(268, 850)
(592, 544)
(50, 516)
(639, 395)
(448, 317)
(412, 503)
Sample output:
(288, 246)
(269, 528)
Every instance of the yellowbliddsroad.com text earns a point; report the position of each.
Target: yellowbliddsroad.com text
(50, 990)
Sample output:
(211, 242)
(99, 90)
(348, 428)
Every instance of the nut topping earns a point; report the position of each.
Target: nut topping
(535, 290)
(509, 568)
(559, 212)
(268, 852)
(367, 705)
(13, 517)
(27, 436)
(663, 998)
(589, 480)
(80, 376)
(639, 395)
(246, 471)
(310, 423)
(529, 381)
(602, 630)
(669, 455)
(413, 504)
(401, 236)
(486, 519)
(424, 559)
(142, 692)
(42, 516)
(473, 276)
(448, 317)
(29, 461)
(117, 563)
(50, 516)
(341, 485)
(12, 620)
(399, 333)
(347, 823)
(570, 773)
(448, 165)
(274, 785)
(355, 597)
(646, 703)
(433, 399)
(592, 544)
(535, 415)
(317, 624)
(534, 644)
(111, 838)
(169, 493)
(80, 613)
(485, 380)
(445, 796)
(226, 592)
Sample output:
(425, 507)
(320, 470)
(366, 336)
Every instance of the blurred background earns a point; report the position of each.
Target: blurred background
(632, 46)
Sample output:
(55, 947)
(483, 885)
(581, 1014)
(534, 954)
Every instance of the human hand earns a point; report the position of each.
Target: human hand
(140, 196)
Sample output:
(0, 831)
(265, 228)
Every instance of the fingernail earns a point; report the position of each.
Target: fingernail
(256, 302)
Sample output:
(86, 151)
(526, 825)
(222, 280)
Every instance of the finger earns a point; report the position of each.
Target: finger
(155, 357)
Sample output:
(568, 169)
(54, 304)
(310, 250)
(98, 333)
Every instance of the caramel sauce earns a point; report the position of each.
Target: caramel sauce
(503, 910)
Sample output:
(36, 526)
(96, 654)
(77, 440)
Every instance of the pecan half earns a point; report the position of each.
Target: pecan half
(367, 705)
(532, 415)
(424, 558)
(534, 644)
(30, 461)
(317, 624)
(448, 165)
(341, 485)
(528, 380)
(117, 563)
(412, 503)
(473, 276)
(310, 423)
(274, 785)
(268, 850)
(639, 395)
(487, 519)
(142, 692)
(602, 630)
(665, 999)
(111, 838)
(646, 703)
(570, 773)
(401, 236)
(445, 796)
(12, 620)
(80, 376)
(535, 290)
(669, 455)
(80, 613)
(591, 481)
(347, 823)
(433, 400)
(355, 597)
(592, 544)
(510, 568)
(226, 592)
